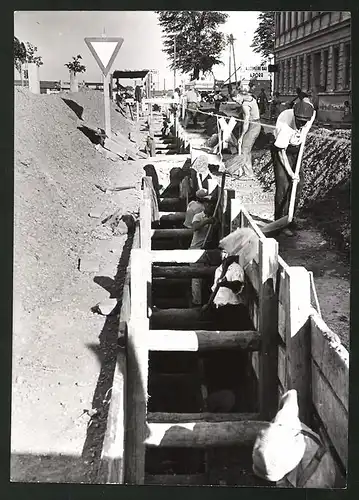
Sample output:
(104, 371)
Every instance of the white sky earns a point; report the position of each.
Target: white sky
(59, 35)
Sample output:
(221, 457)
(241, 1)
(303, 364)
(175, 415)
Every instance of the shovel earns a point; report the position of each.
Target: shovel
(283, 222)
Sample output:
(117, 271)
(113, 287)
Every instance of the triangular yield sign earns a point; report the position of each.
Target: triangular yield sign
(104, 50)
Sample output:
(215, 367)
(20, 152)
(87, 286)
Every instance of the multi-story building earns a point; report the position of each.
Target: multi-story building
(313, 52)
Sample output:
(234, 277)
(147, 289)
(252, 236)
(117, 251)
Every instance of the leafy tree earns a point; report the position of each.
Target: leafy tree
(198, 43)
(19, 54)
(30, 55)
(263, 40)
(75, 65)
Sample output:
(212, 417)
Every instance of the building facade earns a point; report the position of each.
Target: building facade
(313, 52)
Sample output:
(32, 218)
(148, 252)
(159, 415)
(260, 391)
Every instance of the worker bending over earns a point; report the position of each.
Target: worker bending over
(291, 129)
(250, 130)
(195, 207)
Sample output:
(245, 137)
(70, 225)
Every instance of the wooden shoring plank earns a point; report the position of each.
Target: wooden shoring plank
(171, 233)
(145, 224)
(331, 412)
(226, 219)
(297, 341)
(176, 479)
(203, 340)
(173, 217)
(177, 418)
(137, 368)
(191, 271)
(331, 358)
(252, 272)
(268, 326)
(113, 449)
(203, 434)
(169, 204)
(282, 366)
(185, 256)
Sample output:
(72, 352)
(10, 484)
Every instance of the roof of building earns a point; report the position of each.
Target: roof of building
(130, 73)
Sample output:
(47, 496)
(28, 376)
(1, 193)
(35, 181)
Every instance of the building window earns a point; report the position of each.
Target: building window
(289, 14)
(294, 72)
(335, 68)
(282, 22)
(277, 24)
(347, 61)
(294, 19)
(307, 76)
(325, 69)
(301, 71)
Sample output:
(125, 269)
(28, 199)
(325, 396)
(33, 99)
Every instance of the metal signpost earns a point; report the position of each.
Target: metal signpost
(105, 49)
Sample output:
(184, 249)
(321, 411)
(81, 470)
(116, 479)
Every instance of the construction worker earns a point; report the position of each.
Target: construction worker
(218, 98)
(195, 207)
(250, 130)
(192, 102)
(200, 223)
(262, 100)
(291, 129)
(238, 250)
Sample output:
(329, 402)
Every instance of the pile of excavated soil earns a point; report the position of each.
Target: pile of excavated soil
(326, 166)
(62, 351)
(88, 106)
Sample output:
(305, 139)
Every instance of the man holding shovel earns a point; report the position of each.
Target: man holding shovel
(292, 127)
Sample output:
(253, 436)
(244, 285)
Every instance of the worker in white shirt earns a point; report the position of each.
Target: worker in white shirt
(250, 130)
(192, 102)
(291, 129)
(195, 207)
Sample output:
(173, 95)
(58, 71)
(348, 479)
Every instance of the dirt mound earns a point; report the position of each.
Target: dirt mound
(88, 106)
(56, 169)
(326, 166)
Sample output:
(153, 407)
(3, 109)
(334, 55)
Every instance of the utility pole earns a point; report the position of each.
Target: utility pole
(231, 41)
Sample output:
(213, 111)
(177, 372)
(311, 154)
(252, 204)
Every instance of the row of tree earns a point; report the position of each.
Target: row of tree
(199, 43)
(27, 53)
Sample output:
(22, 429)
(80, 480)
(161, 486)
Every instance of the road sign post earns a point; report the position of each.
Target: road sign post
(105, 49)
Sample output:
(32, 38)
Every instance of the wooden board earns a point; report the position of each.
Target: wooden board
(176, 479)
(145, 224)
(184, 256)
(268, 326)
(192, 271)
(332, 413)
(282, 366)
(203, 434)
(331, 358)
(175, 418)
(202, 340)
(252, 272)
(137, 366)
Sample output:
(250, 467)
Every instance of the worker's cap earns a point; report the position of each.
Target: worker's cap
(202, 194)
(280, 447)
(303, 110)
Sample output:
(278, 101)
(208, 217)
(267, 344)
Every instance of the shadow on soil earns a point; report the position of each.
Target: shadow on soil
(76, 108)
(106, 351)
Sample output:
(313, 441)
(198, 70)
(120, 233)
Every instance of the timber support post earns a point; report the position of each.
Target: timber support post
(268, 326)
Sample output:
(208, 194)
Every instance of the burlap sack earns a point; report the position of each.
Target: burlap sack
(242, 242)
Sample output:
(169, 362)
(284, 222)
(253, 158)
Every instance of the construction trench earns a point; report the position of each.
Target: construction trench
(196, 390)
(123, 413)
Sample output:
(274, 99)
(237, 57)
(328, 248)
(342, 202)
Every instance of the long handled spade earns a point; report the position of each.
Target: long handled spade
(287, 219)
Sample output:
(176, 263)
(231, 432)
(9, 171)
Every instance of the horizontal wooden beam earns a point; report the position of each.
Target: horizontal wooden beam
(185, 256)
(171, 233)
(203, 340)
(192, 271)
(177, 418)
(170, 302)
(173, 216)
(169, 204)
(183, 319)
(203, 434)
(177, 479)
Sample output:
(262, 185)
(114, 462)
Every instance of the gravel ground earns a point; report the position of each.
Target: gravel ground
(61, 350)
